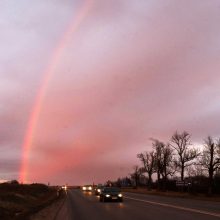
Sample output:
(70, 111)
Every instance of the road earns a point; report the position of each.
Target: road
(79, 205)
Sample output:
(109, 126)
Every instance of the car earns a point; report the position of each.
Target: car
(98, 189)
(87, 188)
(64, 187)
(111, 194)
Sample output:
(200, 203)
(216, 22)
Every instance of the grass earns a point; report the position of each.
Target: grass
(18, 201)
(215, 198)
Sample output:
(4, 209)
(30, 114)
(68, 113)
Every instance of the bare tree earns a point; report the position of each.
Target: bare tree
(136, 175)
(148, 161)
(211, 158)
(195, 170)
(163, 161)
(180, 142)
(158, 147)
(167, 162)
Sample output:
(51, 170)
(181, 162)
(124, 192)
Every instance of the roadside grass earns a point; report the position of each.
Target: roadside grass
(215, 198)
(18, 201)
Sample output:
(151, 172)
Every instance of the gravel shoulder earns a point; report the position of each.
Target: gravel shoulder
(50, 212)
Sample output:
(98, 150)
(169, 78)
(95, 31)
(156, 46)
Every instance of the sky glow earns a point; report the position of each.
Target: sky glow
(84, 85)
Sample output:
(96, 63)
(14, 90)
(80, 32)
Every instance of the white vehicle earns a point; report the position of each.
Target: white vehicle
(88, 188)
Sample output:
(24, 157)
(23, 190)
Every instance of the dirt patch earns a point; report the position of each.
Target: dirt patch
(50, 212)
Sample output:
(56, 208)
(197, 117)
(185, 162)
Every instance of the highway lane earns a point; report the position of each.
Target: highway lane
(85, 206)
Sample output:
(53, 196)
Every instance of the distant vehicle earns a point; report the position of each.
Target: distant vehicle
(98, 189)
(87, 188)
(64, 187)
(111, 194)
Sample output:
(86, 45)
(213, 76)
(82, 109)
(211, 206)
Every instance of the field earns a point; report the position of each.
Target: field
(142, 190)
(19, 201)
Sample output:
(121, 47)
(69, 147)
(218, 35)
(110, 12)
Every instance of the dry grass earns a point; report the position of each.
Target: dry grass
(18, 201)
(215, 198)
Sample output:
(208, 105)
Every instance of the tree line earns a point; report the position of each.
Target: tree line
(176, 158)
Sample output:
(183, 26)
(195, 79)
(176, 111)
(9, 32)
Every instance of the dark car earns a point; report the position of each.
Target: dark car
(111, 194)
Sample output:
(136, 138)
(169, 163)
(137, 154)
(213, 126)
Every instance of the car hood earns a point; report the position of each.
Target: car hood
(112, 193)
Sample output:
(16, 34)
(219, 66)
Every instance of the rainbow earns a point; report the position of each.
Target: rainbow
(48, 74)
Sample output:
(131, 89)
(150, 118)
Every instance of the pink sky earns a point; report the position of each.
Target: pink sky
(131, 71)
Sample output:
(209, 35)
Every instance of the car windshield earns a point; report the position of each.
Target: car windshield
(112, 189)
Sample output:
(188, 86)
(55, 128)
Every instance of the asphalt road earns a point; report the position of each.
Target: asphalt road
(86, 206)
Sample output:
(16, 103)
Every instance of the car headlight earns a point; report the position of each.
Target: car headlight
(120, 195)
(99, 190)
(84, 188)
(90, 188)
(107, 195)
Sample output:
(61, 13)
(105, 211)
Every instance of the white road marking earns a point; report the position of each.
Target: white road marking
(175, 207)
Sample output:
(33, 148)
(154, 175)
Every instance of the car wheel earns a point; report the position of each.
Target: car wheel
(120, 200)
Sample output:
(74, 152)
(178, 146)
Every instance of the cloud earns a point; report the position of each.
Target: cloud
(132, 71)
